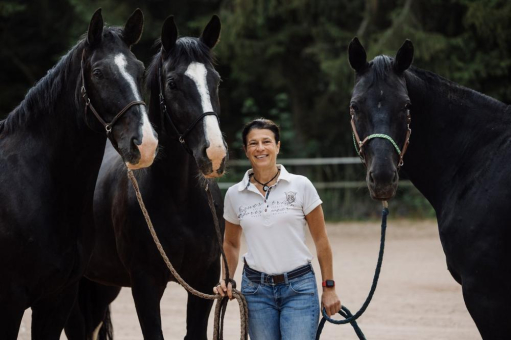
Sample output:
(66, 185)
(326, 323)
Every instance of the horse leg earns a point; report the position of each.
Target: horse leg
(147, 295)
(197, 313)
(90, 318)
(198, 309)
(11, 314)
(490, 307)
(50, 314)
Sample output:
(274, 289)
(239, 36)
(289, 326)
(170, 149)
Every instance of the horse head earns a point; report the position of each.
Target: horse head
(188, 86)
(110, 85)
(380, 112)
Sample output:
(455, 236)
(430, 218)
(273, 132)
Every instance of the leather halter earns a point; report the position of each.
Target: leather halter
(88, 104)
(359, 145)
(163, 108)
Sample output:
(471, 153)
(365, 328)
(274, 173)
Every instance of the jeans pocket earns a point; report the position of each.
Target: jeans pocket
(306, 286)
(248, 287)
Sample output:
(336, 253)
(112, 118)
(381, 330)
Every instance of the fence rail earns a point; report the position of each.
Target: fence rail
(303, 161)
(314, 161)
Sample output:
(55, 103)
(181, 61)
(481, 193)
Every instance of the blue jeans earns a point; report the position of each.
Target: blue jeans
(287, 311)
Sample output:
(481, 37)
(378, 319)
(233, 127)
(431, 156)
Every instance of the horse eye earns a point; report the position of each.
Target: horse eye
(171, 84)
(97, 74)
(408, 106)
(354, 107)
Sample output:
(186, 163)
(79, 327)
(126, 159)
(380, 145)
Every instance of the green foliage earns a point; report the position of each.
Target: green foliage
(283, 60)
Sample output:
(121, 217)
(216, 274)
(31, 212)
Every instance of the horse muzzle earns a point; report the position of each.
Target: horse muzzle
(382, 184)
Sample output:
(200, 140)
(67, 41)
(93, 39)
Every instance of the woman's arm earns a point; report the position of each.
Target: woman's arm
(316, 221)
(232, 252)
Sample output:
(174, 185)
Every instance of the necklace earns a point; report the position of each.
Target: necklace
(265, 185)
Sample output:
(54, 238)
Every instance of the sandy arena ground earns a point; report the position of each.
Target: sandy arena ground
(416, 297)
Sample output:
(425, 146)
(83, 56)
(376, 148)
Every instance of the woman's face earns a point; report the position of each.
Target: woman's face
(261, 149)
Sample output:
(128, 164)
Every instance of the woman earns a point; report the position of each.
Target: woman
(272, 207)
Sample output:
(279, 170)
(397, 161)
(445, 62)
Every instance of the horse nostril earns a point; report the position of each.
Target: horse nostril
(135, 141)
(395, 178)
(371, 178)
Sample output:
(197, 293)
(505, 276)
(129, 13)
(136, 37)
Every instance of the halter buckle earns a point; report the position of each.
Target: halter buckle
(181, 140)
(108, 128)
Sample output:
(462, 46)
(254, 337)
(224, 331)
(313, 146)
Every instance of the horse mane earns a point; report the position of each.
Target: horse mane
(382, 66)
(185, 50)
(44, 95)
(456, 91)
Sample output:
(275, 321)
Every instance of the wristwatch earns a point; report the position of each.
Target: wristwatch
(328, 283)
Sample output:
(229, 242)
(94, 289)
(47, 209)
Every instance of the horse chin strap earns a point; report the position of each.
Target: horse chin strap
(88, 104)
(163, 108)
(359, 145)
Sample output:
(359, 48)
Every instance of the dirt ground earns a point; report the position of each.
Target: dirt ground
(416, 297)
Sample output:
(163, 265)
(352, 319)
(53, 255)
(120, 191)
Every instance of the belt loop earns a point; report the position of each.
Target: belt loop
(286, 281)
(262, 278)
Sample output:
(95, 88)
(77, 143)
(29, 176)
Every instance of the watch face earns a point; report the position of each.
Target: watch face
(329, 283)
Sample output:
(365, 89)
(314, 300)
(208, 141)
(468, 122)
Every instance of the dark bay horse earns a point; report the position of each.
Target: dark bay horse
(183, 77)
(50, 154)
(459, 147)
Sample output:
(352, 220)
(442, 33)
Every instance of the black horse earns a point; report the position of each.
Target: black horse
(192, 150)
(50, 154)
(459, 148)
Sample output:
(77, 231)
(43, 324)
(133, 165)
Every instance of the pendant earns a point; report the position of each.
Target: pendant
(265, 188)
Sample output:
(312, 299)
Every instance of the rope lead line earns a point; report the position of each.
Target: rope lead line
(345, 312)
(221, 305)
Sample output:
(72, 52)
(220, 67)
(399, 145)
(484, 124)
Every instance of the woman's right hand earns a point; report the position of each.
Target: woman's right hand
(223, 290)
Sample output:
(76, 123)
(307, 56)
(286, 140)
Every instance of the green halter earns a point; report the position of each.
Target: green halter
(377, 135)
(360, 144)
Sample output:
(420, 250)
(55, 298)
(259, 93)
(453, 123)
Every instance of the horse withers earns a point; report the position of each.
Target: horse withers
(51, 147)
(457, 158)
(184, 107)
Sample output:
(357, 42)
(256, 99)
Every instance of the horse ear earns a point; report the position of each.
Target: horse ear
(169, 34)
(404, 57)
(357, 55)
(95, 31)
(211, 33)
(134, 27)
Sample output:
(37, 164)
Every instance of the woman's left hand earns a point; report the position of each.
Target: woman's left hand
(330, 301)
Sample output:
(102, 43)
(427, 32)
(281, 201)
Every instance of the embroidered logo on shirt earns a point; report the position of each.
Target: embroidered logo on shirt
(290, 196)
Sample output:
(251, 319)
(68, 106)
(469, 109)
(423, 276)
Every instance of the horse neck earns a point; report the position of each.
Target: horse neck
(57, 125)
(450, 126)
(173, 166)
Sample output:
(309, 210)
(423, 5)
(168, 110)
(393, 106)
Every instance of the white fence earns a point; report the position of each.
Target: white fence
(312, 161)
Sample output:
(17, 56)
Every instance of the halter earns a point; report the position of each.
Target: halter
(88, 104)
(163, 108)
(360, 144)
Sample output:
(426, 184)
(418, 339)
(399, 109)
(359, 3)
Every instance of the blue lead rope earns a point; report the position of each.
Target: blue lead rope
(345, 312)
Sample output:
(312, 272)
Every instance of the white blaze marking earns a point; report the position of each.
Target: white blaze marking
(216, 151)
(149, 142)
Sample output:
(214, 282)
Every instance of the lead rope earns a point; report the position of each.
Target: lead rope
(345, 312)
(221, 305)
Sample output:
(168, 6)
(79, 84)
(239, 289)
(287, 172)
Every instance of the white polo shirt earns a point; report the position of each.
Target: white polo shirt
(274, 225)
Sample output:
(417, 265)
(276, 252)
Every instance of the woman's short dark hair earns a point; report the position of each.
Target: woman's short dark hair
(260, 123)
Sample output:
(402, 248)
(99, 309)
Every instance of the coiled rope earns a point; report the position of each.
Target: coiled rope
(221, 305)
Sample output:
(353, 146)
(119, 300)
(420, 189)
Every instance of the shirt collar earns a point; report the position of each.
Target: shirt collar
(244, 184)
